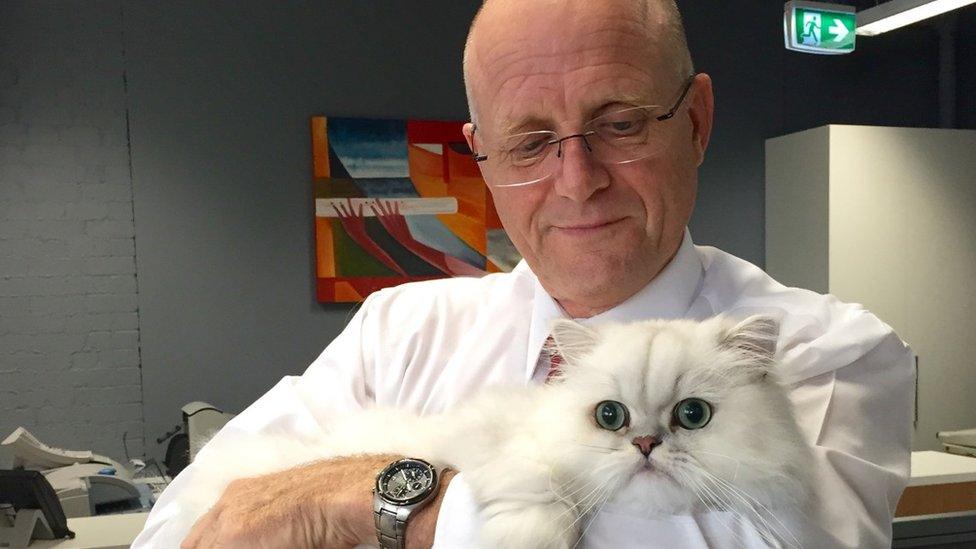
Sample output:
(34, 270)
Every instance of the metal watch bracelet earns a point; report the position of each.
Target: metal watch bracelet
(388, 521)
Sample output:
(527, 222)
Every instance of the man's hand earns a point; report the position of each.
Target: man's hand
(324, 504)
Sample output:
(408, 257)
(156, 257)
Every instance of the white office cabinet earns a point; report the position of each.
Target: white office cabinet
(887, 217)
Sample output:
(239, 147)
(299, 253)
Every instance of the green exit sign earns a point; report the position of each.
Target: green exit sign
(816, 27)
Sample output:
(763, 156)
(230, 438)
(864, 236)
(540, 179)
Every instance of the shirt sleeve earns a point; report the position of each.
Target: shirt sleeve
(863, 445)
(458, 522)
(293, 414)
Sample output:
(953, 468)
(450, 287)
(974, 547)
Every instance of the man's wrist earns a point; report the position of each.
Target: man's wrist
(423, 523)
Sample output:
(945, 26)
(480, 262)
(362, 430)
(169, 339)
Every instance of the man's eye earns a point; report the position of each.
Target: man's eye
(623, 127)
(530, 148)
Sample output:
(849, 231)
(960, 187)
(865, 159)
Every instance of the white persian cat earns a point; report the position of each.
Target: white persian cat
(665, 417)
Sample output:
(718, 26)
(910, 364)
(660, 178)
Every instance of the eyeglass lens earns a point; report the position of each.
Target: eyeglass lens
(619, 137)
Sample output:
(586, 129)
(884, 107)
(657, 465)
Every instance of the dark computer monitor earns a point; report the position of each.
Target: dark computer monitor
(24, 489)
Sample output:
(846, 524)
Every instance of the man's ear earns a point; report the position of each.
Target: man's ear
(468, 131)
(573, 340)
(702, 112)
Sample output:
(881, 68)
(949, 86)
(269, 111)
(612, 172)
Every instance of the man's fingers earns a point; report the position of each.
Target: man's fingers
(204, 525)
(201, 535)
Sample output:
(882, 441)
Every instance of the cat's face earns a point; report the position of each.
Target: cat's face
(666, 416)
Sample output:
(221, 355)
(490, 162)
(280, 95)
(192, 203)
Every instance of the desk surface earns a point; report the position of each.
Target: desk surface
(104, 532)
(118, 531)
(930, 467)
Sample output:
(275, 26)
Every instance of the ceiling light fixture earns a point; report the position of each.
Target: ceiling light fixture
(898, 13)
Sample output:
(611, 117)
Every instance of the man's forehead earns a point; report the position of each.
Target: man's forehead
(568, 92)
(584, 56)
(505, 29)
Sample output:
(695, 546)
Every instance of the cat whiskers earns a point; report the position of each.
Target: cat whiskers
(727, 494)
(735, 474)
(710, 504)
(582, 502)
(722, 502)
(598, 496)
(595, 498)
(606, 449)
(559, 491)
(565, 497)
(607, 493)
(751, 503)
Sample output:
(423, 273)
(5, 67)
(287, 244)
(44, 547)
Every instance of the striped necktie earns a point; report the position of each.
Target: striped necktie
(555, 360)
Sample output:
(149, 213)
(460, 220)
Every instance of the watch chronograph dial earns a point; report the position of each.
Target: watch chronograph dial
(406, 480)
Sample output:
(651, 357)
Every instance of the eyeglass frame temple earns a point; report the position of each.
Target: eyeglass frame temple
(684, 93)
(477, 157)
(666, 116)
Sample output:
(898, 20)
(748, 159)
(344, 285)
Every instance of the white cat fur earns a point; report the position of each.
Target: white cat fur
(539, 465)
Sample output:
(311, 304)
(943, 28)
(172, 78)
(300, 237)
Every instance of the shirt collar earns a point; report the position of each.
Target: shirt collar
(669, 295)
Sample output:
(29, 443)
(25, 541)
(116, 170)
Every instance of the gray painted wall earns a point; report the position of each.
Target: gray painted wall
(218, 99)
(69, 339)
(798, 213)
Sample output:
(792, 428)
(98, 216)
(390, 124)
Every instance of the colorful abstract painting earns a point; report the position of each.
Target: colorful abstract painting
(399, 201)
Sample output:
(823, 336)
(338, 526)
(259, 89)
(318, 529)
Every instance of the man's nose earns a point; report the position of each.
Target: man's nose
(645, 444)
(580, 175)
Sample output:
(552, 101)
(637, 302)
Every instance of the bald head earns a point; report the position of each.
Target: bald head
(659, 21)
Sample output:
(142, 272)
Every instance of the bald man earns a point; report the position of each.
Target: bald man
(589, 125)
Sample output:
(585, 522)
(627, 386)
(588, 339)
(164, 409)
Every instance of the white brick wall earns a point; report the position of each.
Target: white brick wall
(69, 321)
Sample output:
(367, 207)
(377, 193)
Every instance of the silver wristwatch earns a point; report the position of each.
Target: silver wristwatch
(403, 487)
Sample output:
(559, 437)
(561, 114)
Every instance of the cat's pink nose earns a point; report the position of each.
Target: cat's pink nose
(645, 444)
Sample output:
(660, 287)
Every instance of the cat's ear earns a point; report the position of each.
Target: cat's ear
(573, 340)
(755, 335)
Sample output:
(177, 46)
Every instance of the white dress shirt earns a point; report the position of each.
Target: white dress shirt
(427, 346)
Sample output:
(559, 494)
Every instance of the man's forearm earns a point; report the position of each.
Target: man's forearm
(327, 503)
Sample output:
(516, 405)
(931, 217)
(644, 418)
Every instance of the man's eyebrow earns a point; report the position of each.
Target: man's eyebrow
(534, 123)
(623, 100)
(529, 123)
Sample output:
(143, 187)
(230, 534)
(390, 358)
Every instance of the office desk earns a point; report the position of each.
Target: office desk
(105, 532)
(940, 483)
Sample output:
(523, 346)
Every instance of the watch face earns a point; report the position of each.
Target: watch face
(406, 481)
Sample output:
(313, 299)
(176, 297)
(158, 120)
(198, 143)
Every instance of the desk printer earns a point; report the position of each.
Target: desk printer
(87, 484)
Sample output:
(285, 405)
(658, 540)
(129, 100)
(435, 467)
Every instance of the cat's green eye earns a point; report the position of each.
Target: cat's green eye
(611, 415)
(692, 413)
